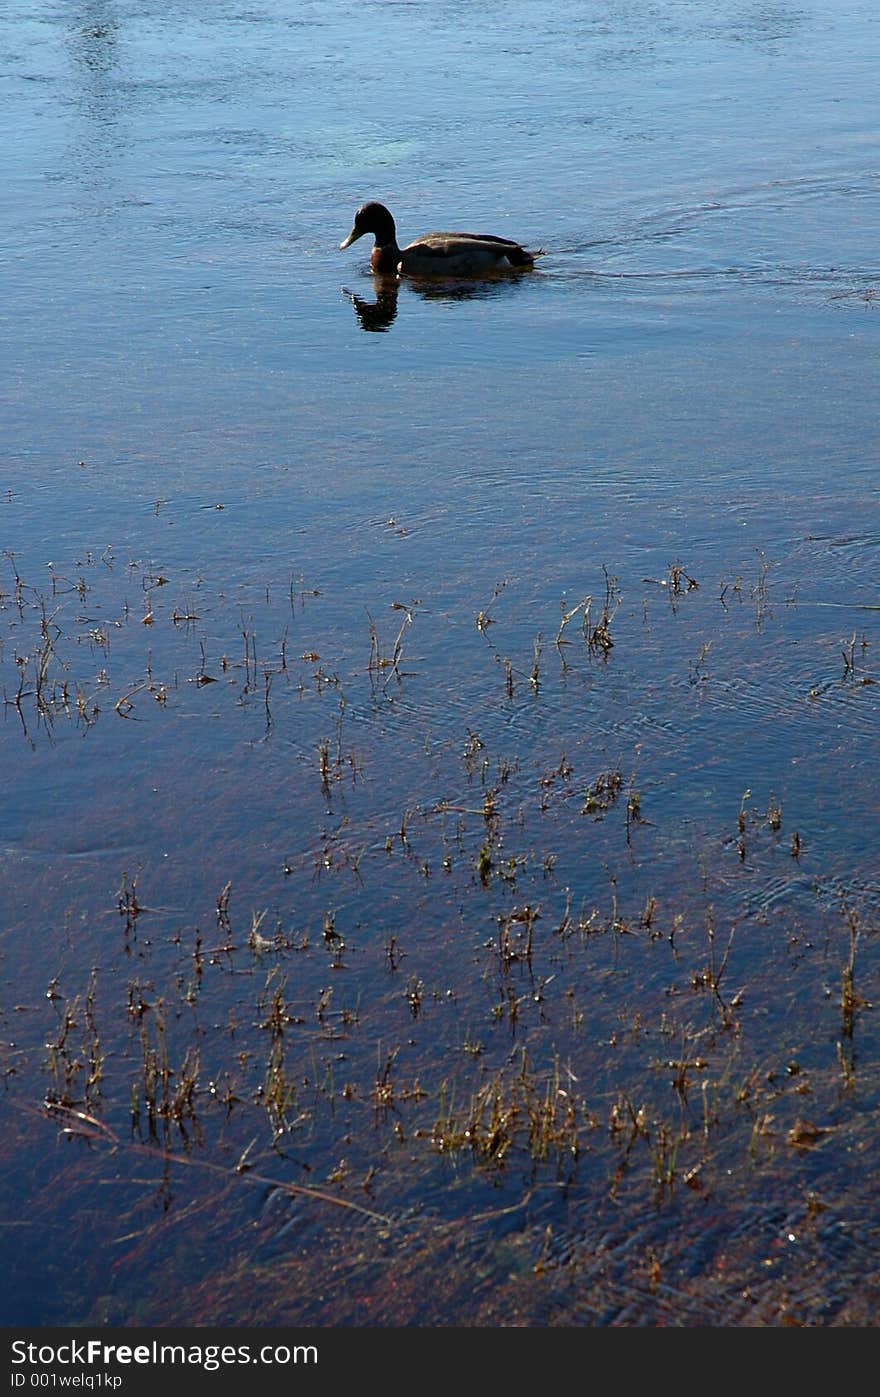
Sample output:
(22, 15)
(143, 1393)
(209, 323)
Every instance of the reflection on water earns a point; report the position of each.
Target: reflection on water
(380, 313)
(92, 39)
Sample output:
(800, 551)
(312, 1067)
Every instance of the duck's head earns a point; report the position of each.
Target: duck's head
(372, 218)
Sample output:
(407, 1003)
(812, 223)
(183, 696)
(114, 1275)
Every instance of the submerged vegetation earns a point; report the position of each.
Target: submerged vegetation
(486, 944)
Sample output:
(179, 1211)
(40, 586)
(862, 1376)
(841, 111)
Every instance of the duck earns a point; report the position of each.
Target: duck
(435, 254)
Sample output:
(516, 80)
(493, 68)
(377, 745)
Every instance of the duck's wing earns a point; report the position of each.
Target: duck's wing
(452, 254)
(443, 237)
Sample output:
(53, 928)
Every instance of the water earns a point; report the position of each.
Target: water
(326, 853)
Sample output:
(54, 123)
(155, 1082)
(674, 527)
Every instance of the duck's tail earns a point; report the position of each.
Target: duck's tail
(522, 256)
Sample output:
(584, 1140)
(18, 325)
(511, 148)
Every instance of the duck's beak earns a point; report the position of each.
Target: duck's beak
(352, 238)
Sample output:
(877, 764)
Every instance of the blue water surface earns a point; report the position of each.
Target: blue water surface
(287, 557)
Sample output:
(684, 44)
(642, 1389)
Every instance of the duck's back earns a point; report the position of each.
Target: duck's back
(461, 254)
(462, 237)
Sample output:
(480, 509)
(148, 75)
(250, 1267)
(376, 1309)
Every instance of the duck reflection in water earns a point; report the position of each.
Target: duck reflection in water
(380, 314)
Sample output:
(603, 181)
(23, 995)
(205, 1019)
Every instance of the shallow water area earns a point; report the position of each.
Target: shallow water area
(438, 857)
